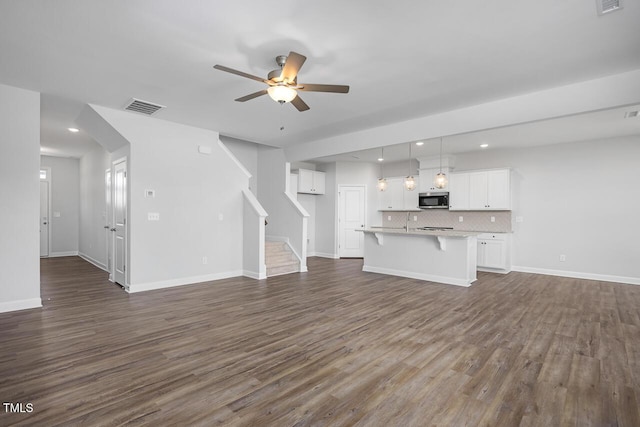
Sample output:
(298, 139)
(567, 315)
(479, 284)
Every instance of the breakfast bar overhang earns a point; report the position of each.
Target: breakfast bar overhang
(437, 256)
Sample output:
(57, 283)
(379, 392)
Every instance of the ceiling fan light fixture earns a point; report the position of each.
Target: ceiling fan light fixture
(282, 93)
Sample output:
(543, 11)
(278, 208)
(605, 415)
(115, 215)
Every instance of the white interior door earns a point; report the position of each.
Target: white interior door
(107, 221)
(44, 219)
(351, 217)
(119, 228)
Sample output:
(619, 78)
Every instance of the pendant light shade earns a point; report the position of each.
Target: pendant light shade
(382, 183)
(409, 181)
(441, 178)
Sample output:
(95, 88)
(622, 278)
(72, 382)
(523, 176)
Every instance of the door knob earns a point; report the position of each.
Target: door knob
(113, 229)
(106, 226)
(44, 223)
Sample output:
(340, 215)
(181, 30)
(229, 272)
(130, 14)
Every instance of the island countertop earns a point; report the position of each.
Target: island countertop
(417, 232)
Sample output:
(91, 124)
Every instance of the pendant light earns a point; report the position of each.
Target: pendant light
(441, 179)
(382, 182)
(409, 181)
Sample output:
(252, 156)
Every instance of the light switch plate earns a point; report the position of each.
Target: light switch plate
(493, 219)
(519, 219)
(220, 217)
(56, 214)
(153, 216)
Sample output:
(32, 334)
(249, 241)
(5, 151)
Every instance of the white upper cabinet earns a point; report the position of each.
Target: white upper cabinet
(427, 179)
(311, 182)
(488, 190)
(459, 191)
(396, 197)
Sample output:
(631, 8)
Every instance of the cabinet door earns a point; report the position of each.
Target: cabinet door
(425, 180)
(494, 254)
(305, 181)
(458, 191)
(498, 189)
(393, 197)
(410, 198)
(318, 182)
(478, 191)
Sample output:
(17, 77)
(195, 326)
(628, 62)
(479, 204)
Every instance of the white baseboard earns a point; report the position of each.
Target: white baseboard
(149, 286)
(95, 262)
(22, 304)
(254, 275)
(61, 254)
(324, 255)
(419, 276)
(578, 275)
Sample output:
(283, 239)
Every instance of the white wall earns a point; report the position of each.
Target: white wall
(65, 202)
(326, 213)
(247, 153)
(20, 195)
(199, 199)
(93, 214)
(578, 199)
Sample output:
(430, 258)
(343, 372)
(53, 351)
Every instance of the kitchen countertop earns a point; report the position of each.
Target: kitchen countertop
(416, 232)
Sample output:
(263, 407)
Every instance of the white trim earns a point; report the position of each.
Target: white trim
(324, 255)
(22, 304)
(149, 286)
(412, 275)
(254, 275)
(234, 158)
(62, 254)
(579, 275)
(493, 270)
(90, 260)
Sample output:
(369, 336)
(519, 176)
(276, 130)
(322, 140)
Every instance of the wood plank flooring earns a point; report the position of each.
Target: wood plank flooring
(334, 346)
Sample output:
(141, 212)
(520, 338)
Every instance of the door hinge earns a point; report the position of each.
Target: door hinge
(124, 268)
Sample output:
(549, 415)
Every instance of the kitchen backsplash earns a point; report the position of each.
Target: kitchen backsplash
(472, 220)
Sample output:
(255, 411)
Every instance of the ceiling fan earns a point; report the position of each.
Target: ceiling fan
(283, 83)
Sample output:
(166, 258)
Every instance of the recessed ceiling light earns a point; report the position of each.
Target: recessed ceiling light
(419, 143)
(74, 130)
(380, 159)
(630, 114)
(484, 145)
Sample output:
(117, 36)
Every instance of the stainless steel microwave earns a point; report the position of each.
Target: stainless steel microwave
(433, 200)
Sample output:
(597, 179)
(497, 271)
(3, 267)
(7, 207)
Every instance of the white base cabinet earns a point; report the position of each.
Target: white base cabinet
(494, 252)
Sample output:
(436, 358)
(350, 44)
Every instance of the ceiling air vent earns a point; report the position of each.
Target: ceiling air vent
(142, 107)
(630, 114)
(606, 6)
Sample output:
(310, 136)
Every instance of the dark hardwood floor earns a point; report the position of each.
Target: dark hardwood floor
(333, 347)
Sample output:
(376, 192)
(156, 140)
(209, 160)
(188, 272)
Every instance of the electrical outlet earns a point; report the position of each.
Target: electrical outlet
(220, 217)
(460, 219)
(493, 219)
(205, 260)
(389, 218)
(415, 217)
(563, 258)
(519, 219)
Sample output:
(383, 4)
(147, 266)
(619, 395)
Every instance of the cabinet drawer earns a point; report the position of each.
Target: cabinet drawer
(492, 236)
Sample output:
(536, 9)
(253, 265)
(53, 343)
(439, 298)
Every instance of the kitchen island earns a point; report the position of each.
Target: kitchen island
(443, 256)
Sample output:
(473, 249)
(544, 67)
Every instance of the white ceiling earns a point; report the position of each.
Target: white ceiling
(402, 59)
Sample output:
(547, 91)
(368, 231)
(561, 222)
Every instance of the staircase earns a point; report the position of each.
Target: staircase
(279, 259)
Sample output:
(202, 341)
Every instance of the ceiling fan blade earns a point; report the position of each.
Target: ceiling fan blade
(292, 66)
(323, 88)
(252, 95)
(239, 73)
(299, 104)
